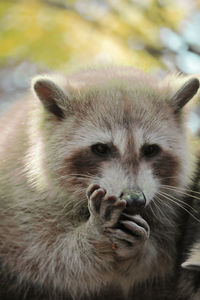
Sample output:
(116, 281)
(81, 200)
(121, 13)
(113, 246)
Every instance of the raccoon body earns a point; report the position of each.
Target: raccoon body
(72, 156)
(188, 263)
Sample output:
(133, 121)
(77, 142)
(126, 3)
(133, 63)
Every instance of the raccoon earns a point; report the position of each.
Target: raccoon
(91, 169)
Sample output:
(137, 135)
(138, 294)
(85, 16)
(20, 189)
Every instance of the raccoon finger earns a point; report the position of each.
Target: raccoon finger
(111, 209)
(136, 219)
(96, 199)
(134, 229)
(91, 189)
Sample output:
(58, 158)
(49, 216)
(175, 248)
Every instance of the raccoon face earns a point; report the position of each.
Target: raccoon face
(143, 155)
(119, 139)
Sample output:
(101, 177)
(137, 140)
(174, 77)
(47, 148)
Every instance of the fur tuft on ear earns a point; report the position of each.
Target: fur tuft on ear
(51, 95)
(184, 94)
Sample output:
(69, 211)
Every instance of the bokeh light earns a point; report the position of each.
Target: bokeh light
(36, 36)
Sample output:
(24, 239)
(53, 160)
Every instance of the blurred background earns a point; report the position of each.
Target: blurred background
(37, 36)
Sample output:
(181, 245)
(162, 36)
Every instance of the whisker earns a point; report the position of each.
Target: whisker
(179, 188)
(180, 201)
(77, 177)
(178, 204)
(159, 210)
(169, 177)
(88, 175)
(166, 213)
(182, 191)
(162, 204)
(157, 216)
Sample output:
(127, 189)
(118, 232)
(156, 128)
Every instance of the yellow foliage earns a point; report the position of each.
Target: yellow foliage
(59, 38)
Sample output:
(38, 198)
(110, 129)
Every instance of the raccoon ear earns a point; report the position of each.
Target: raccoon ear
(191, 265)
(193, 261)
(184, 94)
(51, 95)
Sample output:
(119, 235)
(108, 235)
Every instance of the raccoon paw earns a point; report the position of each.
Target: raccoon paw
(104, 210)
(129, 236)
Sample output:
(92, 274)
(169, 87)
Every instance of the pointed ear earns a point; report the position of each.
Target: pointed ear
(51, 95)
(184, 94)
(193, 261)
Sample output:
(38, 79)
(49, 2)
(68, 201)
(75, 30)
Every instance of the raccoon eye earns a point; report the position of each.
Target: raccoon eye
(150, 150)
(100, 149)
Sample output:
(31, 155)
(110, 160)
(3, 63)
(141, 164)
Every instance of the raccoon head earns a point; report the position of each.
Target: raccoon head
(126, 137)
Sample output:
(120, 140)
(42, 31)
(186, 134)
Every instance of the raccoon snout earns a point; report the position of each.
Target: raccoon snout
(135, 200)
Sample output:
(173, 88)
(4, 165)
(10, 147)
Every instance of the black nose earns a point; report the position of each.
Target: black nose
(135, 200)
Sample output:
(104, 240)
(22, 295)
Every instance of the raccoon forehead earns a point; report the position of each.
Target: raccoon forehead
(120, 137)
(124, 107)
